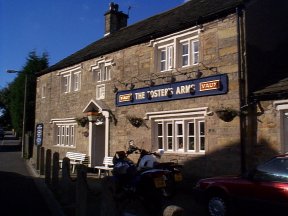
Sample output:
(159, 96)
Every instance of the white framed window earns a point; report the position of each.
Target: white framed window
(191, 136)
(181, 135)
(65, 134)
(177, 50)
(185, 54)
(166, 58)
(160, 135)
(70, 79)
(195, 52)
(169, 136)
(66, 83)
(102, 70)
(76, 81)
(100, 92)
(181, 131)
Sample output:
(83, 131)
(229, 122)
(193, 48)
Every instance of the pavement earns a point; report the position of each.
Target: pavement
(22, 191)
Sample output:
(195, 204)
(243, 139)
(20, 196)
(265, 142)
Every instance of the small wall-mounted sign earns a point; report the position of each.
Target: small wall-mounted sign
(210, 85)
(206, 86)
(39, 134)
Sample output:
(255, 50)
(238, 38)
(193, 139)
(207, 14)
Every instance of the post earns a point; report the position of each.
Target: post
(48, 167)
(42, 156)
(55, 170)
(24, 117)
(81, 190)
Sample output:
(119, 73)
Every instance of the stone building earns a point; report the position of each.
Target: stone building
(181, 81)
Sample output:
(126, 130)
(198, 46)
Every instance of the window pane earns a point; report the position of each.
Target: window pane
(160, 142)
(170, 143)
(191, 129)
(179, 129)
(195, 51)
(191, 143)
(162, 60)
(184, 49)
(163, 55)
(170, 56)
(202, 128)
(160, 132)
(180, 142)
(202, 143)
(169, 131)
(185, 54)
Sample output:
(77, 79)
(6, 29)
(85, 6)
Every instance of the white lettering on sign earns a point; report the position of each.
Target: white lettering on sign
(159, 92)
(140, 96)
(211, 85)
(184, 89)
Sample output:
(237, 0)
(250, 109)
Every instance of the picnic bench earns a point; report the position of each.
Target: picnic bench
(75, 158)
(106, 167)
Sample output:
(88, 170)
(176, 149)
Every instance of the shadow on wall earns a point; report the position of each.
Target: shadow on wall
(227, 161)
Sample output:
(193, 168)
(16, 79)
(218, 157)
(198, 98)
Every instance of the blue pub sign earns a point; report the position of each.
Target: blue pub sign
(206, 86)
(39, 134)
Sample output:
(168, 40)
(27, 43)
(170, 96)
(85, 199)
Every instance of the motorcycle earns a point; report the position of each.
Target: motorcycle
(150, 160)
(141, 186)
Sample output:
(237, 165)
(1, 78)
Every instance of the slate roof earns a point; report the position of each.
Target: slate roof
(278, 90)
(192, 13)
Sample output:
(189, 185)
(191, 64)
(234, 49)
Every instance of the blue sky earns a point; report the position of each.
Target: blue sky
(59, 27)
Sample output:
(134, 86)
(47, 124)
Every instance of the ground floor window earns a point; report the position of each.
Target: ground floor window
(65, 134)
(181, 135)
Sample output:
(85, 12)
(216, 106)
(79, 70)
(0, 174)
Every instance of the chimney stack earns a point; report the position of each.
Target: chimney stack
(114, 19)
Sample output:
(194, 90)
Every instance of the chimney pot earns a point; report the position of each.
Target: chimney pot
(114, 19)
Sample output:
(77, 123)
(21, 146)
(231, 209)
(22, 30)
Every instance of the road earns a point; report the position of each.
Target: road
(18, 192)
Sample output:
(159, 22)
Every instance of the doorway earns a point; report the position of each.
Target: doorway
(98, 144)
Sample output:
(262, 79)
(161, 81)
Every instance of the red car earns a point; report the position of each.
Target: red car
(264, 188)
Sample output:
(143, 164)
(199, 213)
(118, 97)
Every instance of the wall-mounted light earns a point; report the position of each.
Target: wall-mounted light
(149, 96)
(115, 89)
(169, 93)
(192, 90)
(131, 86)
(198, 74)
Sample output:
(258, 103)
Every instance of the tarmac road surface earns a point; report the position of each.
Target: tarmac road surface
(19, 195)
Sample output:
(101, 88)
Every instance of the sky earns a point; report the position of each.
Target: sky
(59, 27)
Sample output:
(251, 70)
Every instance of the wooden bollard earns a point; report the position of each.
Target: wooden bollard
(55, 170)
(173, 210)
(42, 157)
(48, 167)
(66, 168)
(81, 191)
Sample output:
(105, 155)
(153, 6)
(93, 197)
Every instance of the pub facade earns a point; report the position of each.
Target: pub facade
(177, 82)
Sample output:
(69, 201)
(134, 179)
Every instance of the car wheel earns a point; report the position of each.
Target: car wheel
(217, 206)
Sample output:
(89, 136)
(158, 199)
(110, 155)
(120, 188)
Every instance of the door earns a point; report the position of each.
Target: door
(98, 145)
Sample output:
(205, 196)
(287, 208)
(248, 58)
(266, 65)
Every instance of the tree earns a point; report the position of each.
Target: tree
(4, 111)
(33, 65)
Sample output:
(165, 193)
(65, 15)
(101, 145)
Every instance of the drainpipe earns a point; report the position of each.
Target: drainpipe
(242, 79)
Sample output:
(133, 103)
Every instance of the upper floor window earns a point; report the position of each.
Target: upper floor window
(100, 92)
(166, 58)
(102, 70)
(70, 79)
(43, 91)
(177, 50)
